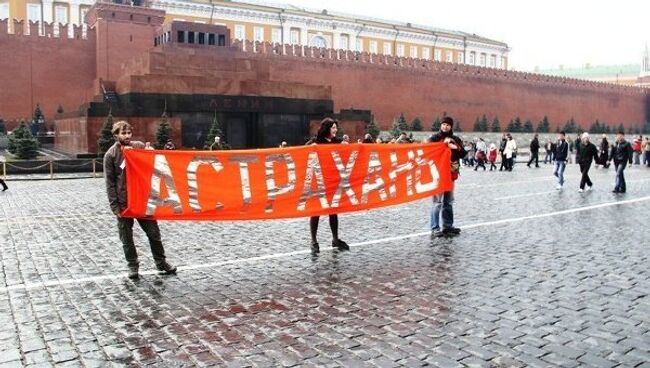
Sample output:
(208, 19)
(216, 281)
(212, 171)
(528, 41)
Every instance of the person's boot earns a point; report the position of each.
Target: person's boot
(133, 272)
(165, 268)
(340, 244)
(315, 249)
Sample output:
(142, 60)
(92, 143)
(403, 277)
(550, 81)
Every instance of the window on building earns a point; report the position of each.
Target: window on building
(372, 47)
(388, 48)
(482, 60)
(344, 42)
(190, 37)
(359, 45)
(221, 40)
(437, 55)
(211, 39)
(82, 15)
(493, 61)
(413, 51)
(295, 37)
(181, 37)
(34, 12)
(449, 56)
(240, 31)
(201, 38)
(276, 35)
(61, 14)
(503, 62)
(472, 58)
(461, 57)
(258, 34)
(318, 41)
(426, 53)
(400, 49)
(4, 10)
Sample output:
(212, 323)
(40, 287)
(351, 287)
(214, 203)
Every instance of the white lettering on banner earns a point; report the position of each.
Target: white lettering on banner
(161, 171)
(435, 175)
(313, 171)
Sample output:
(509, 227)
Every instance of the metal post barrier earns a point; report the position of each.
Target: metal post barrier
(94, 170)
(51, 170)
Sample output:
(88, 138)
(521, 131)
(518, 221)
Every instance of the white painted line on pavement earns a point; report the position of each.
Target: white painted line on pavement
(555, 191)
(35, 285)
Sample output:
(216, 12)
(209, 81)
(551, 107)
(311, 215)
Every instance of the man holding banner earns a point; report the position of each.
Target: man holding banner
(115, 176)
(442, 203)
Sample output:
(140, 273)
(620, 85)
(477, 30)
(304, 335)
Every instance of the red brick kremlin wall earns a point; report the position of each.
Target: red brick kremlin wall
(427, 89)
(49, 70)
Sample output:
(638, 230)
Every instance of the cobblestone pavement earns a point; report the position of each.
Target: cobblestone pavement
(537, 278)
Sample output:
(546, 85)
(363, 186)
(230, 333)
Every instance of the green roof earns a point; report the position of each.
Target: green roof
(596, 71)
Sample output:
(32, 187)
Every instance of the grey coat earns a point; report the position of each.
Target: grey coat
(116, 177)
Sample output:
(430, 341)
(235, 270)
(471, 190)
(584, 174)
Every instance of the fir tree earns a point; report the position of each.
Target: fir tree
(215, 131)
(518, 126)
(496, 125)
(596, 127)
(646, 127)
(371, 128)
(22, 143)
(164, 131)
(395, 130)
(416, 125)
(457, 127)
(3, 128)
(544, 126)
(511, 126)
(401, 122)
(59, 109)
(528, 126)
(435, 126)
(106, 139)
(570, 126)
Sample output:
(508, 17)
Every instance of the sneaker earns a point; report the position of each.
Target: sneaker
(558, 187)
(165, 268)
(580, 190)
(340, 244)
(315, 249)
(133, 272)
(452, 231)
(588, 188)
(437, 233)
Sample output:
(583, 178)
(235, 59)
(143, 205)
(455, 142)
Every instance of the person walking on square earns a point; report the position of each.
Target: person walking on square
(442, 213)
(492, 156)
(604, 152)
(586, 153)
(534, 152)
(326, 135)
(621, 154)
(502, 147)
(481, 154)
(548, 149)
(4, 185)
(561, 154)
(636, 150)
(115, 177)
(646, 151)
(510, 152)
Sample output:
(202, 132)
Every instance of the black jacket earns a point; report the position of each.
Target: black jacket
(456, 155)
(587, 153)
(561, 150)
(534, 145)
(621, 152)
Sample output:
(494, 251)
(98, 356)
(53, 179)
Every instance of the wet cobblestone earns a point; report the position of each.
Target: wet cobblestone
(538, 278)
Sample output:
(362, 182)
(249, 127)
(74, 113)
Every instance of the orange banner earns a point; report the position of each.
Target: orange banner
(282, 182)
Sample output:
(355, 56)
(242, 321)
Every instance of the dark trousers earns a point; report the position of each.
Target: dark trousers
(503, 162)
(480, 163)
(584, 169)
(150, 227)
(534, 156)
(492, 166)
(620, 176)
(510, 162)
(334, 226)
(4, 185)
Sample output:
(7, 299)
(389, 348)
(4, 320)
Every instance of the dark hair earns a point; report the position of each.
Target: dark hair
(620, 132)
(122, 124)
(447, 120)
(325, 126)
(562, 133)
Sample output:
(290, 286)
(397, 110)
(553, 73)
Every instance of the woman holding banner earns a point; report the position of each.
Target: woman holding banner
(326, 135)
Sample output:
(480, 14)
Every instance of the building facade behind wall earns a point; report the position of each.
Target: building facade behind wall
(287, 24)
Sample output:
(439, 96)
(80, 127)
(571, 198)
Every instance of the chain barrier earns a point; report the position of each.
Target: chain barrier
(51, 164)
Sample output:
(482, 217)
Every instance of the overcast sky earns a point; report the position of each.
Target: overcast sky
(540, 33)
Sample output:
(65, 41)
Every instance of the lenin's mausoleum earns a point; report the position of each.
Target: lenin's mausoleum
(133, 62)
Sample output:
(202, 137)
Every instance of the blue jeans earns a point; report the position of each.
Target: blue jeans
(442, 203)
(620, 178)
(559, 171)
